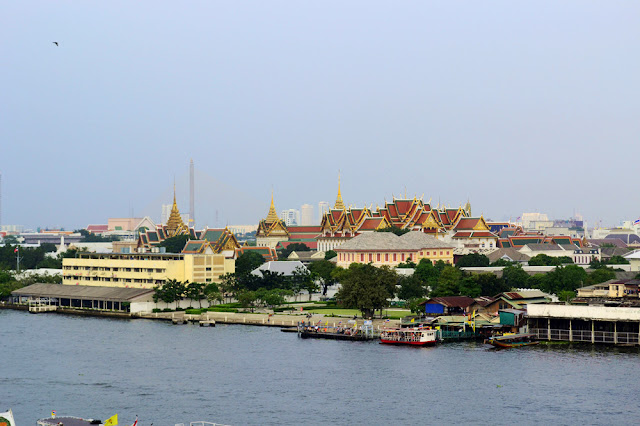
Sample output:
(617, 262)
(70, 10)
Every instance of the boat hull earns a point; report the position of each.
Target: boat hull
(395, 342)
(499, 344)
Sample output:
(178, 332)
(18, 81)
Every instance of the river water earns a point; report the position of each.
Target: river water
(166, 374)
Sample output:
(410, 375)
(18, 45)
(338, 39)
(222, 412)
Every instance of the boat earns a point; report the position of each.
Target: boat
(67, 421)
(409, 336)
(512, 340)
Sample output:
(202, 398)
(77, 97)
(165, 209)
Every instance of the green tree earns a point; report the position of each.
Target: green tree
(502, 262)
(601, 275)
(330, 254)
(469, 287)
(212, 293)
(394, 229)
(274, 297)
(90, 237)
(408, 264)
(175, 244)
(305, 280)
(247, 262)
(514, 276)
(285, 252)
(366, 288)
(427, 273)
(228, 284)
(490, 284)
(195, 291)
(411, 287)
(247, 299)
(473, 260)
(10, 240)
(617, 260)
(566, 295)
(448, 282)
(569, 278)
(323, 269)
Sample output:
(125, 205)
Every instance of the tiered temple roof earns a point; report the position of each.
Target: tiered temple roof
(272, 226)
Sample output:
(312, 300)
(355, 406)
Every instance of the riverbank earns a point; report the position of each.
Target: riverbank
(265, 320)
(257, 319)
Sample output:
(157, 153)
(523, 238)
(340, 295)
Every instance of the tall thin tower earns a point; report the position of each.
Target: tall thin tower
(0, 201)
(192, 214)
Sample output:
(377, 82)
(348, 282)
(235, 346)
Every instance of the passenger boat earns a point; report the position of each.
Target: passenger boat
(409, 336)
(512, 340)
(68, 421)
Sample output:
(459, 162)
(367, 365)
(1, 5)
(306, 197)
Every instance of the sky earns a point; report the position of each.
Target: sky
(517, 106)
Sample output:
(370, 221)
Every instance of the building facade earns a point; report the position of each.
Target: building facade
(143, 270)
(386, 248)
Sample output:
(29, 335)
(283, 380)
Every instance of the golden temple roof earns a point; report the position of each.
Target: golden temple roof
(175, 225)
(272, 216)
(339, 205)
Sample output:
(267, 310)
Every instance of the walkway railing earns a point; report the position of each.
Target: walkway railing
(620, 338)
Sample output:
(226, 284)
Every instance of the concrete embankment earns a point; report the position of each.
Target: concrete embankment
(264, 320)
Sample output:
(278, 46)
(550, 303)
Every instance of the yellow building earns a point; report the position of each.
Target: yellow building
(144, 270)
(386, 248)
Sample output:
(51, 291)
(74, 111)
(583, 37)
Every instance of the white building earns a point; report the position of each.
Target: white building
(290, 217)
(306, 215)
(323, 207)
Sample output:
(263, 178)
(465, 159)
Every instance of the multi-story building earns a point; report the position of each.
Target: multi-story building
(144, 270)
(306, 215)
(386, 248)
(323, 207)
(290, 217)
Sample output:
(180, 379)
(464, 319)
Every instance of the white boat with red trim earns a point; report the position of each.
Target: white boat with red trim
(409, 336)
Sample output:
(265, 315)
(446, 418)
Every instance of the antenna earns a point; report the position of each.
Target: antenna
(192, 214)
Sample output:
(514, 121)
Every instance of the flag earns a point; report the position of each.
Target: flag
(15, 250)
(637, 221)
(136, 422)
(413, 320)
(7, 417)
(111, 421)
(53, 414)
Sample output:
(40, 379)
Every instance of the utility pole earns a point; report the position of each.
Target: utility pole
(18, 258)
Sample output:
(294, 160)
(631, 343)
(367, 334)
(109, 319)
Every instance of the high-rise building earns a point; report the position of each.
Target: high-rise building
(323, 207)
(306, 215)
(290, 217)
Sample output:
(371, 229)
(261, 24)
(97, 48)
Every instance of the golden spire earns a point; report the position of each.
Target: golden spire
(272, 216)
(175, 223)
(339, 205)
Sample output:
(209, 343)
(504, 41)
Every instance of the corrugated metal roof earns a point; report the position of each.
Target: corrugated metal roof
(86, 292)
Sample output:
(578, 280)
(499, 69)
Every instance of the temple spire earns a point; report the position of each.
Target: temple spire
(175, 224)
(272, 216)
(339, 205)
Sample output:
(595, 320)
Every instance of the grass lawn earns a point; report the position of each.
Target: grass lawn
(394, 314)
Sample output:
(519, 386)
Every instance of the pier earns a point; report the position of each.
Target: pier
(590, 324)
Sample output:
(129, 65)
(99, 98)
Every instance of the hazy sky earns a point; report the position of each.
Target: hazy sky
(518, 106)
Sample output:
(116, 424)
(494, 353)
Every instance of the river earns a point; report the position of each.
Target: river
(167, 374)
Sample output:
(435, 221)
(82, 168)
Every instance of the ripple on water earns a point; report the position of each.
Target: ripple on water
(254, 375)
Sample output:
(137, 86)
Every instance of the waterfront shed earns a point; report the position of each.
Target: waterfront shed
(448, 305)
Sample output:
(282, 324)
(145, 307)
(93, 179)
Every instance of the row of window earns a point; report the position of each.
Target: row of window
(117, 280)
(106, 269)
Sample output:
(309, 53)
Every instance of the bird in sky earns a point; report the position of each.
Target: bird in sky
(56, 43)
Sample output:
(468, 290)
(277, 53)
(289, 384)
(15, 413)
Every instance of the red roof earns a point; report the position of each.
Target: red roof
(370, 223)
(467, 223)
(306, 229)
(97, 228)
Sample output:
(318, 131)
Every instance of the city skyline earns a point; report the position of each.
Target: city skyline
(518, 107)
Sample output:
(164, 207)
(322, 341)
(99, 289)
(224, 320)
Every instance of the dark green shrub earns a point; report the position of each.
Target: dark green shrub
(193, 311)
(156, 310)
(219, 309)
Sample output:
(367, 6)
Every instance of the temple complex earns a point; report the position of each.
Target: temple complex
(207, 241)
(455, 226)
(271, 230)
